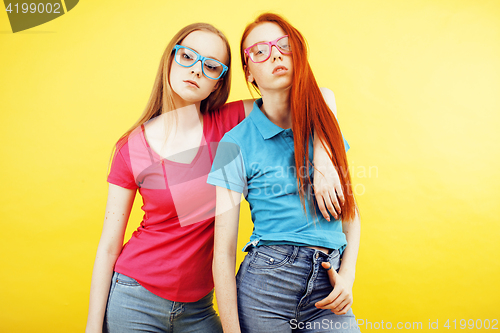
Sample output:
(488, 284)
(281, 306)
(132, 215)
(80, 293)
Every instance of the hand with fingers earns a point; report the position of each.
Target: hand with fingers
(340, 299)
(328, 190)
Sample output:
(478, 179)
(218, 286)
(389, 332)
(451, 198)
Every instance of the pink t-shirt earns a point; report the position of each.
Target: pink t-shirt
(170, 254)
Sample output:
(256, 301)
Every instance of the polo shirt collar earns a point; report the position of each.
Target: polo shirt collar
(267, 128)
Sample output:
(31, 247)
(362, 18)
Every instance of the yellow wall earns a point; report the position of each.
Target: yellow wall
(417, 85)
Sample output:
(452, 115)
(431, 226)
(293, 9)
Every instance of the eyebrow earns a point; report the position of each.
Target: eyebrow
(265, 41)
(262, 41)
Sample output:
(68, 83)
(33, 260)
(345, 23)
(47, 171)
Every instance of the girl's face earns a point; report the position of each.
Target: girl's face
(189, 84)
(276, 72)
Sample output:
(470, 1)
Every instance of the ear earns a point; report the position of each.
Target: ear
(248, 74)
(250, 78)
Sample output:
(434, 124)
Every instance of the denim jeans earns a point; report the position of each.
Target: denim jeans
(132, 308)
(278, 286)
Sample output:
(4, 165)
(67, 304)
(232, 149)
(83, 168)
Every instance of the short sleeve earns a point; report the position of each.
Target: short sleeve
(121, 173)
(228, 169)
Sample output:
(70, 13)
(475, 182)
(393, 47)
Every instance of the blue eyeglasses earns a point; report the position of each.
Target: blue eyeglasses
(211, 68)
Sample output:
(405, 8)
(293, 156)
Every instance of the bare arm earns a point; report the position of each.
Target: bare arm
(224, 265)
(118, 207)
(340, 299)
(327, 186)
(352, 231)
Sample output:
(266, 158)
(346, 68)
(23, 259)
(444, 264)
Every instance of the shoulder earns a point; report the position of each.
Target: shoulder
(329, 98)
(131, 141)
(235, 108)
(248, 105)
(239, 107)
(227, 116)
(121, 145)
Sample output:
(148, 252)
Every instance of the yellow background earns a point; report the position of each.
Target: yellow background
(417, 84)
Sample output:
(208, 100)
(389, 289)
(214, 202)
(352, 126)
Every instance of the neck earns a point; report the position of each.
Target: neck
(186, 119)
(186, 114)
(276, 107)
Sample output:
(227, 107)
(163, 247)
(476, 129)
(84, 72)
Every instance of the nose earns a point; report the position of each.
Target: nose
(275, 53)
(196, 68)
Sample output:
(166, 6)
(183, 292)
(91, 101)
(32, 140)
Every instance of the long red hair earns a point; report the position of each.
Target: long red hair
(309, 112)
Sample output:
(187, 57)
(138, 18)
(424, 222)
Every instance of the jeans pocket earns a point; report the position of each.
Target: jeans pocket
(126, 281)
(266, 258)
(334, 259)
(112, 286)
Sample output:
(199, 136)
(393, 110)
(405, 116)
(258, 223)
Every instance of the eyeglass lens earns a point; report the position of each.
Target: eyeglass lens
(188, 58)
(261, 51)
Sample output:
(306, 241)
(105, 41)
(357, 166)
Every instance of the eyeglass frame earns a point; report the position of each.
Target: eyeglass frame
(271, 44)
(201, 58)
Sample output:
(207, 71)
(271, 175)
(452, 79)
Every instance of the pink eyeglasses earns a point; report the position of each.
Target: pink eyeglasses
(260, 52)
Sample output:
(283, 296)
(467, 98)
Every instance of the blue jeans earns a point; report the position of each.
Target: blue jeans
(278, 286)
(132, 308)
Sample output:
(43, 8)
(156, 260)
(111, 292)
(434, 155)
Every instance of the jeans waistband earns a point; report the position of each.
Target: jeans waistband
(297, 251)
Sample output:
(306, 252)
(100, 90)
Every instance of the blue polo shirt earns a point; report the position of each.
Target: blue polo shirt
(256, 158)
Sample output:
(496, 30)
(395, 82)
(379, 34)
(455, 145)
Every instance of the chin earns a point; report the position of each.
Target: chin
(190, 96)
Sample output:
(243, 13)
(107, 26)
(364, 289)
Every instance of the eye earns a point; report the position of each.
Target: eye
(260, 50)
(284, 44)
(187, 56)
(212, 66)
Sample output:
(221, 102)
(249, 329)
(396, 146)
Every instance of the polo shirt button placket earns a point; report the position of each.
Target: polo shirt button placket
(287, 136)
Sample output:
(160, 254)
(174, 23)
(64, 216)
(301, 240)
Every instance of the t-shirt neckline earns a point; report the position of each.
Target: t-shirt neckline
(166, 160)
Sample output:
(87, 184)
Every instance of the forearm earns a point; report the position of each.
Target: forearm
(320, 154)
(225, 242)
(118, 208)
(99, 289)
(225, 290)
(352, 231)
(321, 159)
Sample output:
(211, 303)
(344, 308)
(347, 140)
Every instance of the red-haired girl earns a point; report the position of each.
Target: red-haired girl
(299, 270)
(161, 280)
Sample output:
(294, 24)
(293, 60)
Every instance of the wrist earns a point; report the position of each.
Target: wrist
(348, 275)
(321, 158)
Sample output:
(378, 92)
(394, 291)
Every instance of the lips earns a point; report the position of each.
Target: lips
(192, 83)
(279, 69)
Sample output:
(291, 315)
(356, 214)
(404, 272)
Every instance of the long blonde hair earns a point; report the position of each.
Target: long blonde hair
(161, 99)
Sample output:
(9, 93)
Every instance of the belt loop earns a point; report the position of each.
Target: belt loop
(294, 254)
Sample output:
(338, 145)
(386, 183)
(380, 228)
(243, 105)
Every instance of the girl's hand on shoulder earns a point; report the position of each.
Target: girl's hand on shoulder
(327, 187)
(340, 299)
